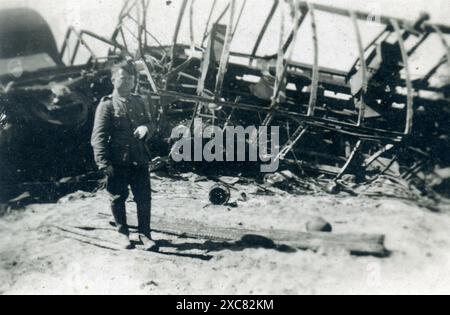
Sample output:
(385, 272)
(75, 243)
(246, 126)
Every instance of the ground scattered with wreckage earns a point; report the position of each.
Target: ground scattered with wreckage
(36, 257)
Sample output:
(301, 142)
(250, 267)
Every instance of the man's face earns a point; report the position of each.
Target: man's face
(123, 82)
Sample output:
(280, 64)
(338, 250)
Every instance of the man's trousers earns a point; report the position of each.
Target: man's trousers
(138, 178)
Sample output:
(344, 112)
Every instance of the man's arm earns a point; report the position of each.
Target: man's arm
(100, 136)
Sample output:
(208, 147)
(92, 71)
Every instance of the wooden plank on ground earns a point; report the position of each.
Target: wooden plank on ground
(358, 244)
(364, 244)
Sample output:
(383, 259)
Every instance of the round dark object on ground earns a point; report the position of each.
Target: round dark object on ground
(219, 195)
(318, 225)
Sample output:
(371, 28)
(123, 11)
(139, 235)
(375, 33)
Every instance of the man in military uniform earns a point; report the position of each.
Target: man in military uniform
(122, 126)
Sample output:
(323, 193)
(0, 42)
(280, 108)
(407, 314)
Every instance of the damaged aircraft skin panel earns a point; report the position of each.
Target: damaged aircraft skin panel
(378, 116)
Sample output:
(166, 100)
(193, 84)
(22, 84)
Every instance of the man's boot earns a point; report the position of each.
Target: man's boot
(144, 209)
(119, 213)
(124, 240)
(147, 241)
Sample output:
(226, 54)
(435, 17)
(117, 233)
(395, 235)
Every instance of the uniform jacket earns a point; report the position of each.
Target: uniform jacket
(113, 141)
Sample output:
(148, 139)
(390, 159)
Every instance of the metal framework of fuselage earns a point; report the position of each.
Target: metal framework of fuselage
(196, 77)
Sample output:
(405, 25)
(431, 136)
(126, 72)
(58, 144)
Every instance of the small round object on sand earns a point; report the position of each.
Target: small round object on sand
(318, 224)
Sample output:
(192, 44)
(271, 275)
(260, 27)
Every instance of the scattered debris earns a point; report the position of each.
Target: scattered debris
(229, 180)
(243, 197)
(76, 196)
(287, 181)
(232, 204)
(159, 163)
(200, 179)
(21, 199)
(262, 191)
(280, 178)
(332, 188)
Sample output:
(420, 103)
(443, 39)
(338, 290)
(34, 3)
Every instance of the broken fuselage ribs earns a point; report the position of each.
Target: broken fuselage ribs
(373, 118)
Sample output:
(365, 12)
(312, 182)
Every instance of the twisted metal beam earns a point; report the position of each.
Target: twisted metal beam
(383, 19)
(364, 71)
(374, 134)
(191, 27)
(282, 71)
(315, 71)
(264, 29)
(444, 42)
(205, 33)
(349, 160)
(409, 85)
(223, 65)
(177, 32)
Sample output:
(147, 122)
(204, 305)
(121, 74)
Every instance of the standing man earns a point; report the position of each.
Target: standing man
(121, 128)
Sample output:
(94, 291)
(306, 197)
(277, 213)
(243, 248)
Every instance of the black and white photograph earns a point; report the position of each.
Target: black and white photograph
(254, 148)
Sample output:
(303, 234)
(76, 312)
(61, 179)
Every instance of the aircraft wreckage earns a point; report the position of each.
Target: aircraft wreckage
(374, 115)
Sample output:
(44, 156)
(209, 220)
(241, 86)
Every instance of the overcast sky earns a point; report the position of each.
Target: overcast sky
(336, 36)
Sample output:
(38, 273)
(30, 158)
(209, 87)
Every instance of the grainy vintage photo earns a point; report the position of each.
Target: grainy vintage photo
(224, 147)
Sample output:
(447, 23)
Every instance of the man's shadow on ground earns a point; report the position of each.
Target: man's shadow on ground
(249, 241)
(246, 242)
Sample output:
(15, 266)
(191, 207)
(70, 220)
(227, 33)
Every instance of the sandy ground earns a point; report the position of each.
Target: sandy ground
(37, 259)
